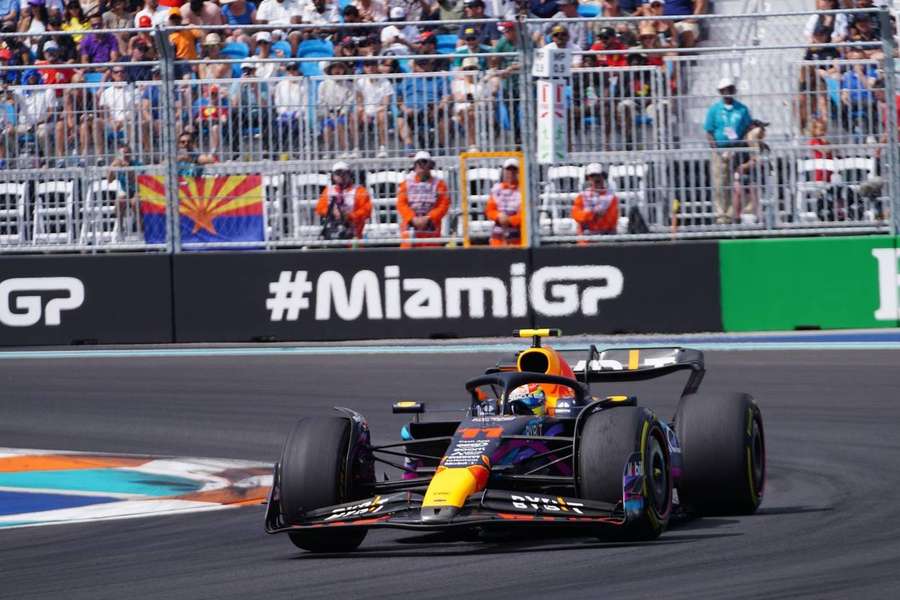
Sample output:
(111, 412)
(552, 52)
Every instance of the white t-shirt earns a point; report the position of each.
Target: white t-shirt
(336, 95)
(374, 91)
(120, 101)
(314, 17)
(157, 17)
(34, 108)
(279, 13)
(290, 97)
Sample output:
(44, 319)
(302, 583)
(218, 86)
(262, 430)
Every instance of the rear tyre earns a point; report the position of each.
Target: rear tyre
(314, 475)
(723, 454)
(608, 439)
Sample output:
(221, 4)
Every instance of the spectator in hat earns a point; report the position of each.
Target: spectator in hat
(374, 96)
(152, 10)
(422, 203)
(184, 41)
(813, 96)
(37, 113)
(837, 24)
(117, 107)
(343, 206)
(577, 30)
(504, 207)
(423, 103)
(397, 14)
(472, 45)
(472, 95)
(394, 42)
(212, 112)
(596, 208)
(427, 44)
(727, 122)
(486, 33)
(201, 13)
(143, 38)
(335, 105)
(250, 110)
(263, 67)
(559, 38)
(371, 11)
(281, 13)
(212, 67)
(687, 28)
(189, 161)
(54, 75)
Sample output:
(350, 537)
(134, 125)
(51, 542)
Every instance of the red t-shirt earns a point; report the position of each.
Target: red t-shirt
(610, 60)
(55, 76)
(821, 174)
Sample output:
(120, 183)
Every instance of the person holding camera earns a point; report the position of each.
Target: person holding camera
(343, 206)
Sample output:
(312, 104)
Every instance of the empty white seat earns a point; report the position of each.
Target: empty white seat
(12, 213)
(54, 203)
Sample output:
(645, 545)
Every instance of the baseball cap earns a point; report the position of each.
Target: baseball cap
(144, 22)
(470, 32)
(558, 29)
(510, 163)
(389, 33)
(51, 46)
(504, 26)
(398, 13)
(593, 169)
(213, 89)
(725, 82)
(427, 37)
(473, 3)
(263, 36)
(422, 155)
(759, 123)
(469, 62)
(340, 166)
(248, 65)
(212, 39)
(174, 13)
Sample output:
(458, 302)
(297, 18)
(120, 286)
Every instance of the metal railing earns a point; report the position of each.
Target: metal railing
(77, 157)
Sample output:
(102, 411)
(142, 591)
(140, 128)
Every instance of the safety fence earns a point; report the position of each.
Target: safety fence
(233, 148)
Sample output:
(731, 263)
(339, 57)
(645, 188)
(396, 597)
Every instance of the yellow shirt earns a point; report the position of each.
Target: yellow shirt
(185, 42)
(74, 24)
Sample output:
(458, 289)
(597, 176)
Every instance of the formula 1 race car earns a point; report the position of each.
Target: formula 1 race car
(534, 448)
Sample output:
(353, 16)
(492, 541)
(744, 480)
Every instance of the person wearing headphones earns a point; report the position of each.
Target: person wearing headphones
(596, 209)
(344, 206)
(504, 207)
(422, 202)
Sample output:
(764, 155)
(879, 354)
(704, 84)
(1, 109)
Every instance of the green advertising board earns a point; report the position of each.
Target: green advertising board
(831, 283)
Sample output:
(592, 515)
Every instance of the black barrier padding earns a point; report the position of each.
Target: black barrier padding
(109, 299)
(418, 293)
(665, 288)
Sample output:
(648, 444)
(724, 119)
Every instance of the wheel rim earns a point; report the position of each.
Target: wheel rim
(657, 475)
(757, 456)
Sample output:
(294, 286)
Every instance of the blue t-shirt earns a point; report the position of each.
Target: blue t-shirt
(419, 93)
(678, 7)
(859, 93)
(235, 20)
(727, 125)
(629, 6)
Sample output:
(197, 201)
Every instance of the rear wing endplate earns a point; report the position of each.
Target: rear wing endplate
(640, 364)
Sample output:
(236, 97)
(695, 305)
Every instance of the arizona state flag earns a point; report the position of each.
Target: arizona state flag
(211, 209)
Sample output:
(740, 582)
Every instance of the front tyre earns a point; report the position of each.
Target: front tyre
(723, 454)
(608, 440)
(313, 475)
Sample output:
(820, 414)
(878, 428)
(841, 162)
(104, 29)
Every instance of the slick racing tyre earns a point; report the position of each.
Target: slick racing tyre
(313, 475)
(608, 440)
(723, 453)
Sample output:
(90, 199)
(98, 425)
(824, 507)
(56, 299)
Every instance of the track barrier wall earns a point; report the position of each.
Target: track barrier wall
(329, 295)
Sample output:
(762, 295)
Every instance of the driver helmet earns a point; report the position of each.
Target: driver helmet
(532, 397)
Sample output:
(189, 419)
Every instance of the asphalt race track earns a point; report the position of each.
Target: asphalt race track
(827, 527)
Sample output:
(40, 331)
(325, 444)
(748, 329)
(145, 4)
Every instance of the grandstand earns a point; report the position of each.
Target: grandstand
(94, 97)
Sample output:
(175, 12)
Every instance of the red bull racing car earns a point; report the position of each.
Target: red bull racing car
(535, 447)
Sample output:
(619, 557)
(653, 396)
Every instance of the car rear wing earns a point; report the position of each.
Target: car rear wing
(640, 364)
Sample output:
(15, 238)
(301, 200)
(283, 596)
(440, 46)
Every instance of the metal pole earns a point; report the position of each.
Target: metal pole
(529, 134)
(169, 136)
(890, 89)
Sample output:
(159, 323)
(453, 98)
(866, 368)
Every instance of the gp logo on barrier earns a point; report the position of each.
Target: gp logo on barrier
(21, 309)
(552, 291)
